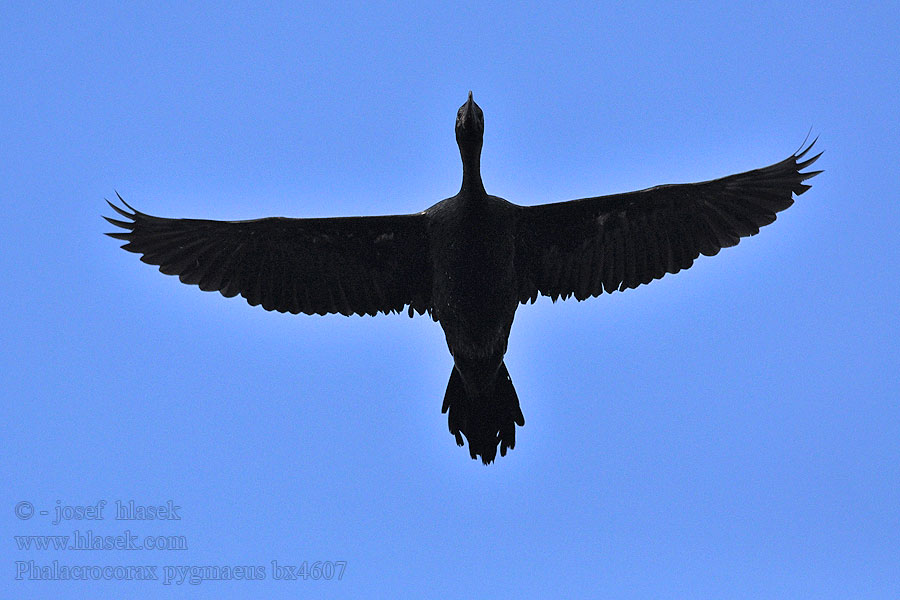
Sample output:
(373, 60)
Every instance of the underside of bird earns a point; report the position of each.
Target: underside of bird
(384, 264)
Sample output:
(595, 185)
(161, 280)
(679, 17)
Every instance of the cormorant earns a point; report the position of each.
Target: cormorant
(468, 261)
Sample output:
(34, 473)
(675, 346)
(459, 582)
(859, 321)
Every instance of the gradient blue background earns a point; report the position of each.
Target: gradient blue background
(728, 432)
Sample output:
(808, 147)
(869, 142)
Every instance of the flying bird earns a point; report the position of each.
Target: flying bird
(468, 261)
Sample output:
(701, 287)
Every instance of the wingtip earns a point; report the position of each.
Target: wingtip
(804, 148)
(801, 163)
(122, 200)
(121, 211)
(809, 161)
(117, 223)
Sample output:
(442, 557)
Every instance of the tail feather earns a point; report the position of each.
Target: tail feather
(487, 420)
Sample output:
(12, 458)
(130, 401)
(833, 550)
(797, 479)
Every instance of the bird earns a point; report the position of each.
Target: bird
(468, 261)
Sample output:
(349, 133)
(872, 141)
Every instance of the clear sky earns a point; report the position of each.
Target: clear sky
(727, 432)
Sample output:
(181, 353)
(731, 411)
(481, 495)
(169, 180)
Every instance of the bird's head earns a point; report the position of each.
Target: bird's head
(469, 125)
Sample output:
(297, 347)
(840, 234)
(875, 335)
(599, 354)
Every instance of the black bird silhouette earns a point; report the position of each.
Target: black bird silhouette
(468, 261)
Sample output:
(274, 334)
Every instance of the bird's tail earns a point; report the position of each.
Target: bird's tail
(487, 420)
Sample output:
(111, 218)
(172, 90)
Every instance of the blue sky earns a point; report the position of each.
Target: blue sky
(728, 432)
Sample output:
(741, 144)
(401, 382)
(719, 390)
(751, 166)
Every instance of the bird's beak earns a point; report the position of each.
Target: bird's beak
(469, 112)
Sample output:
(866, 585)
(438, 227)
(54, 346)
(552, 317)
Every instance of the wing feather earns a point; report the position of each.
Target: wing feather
(346, 265)
(588, 246)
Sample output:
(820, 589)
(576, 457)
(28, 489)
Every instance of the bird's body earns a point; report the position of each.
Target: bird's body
(472, 243)
(474, 287)
(468, 261)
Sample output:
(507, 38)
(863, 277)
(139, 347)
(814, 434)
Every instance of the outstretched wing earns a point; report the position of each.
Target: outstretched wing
(584, 247)
(346, 265)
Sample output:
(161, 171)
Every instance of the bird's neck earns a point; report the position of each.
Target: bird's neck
(471, 181)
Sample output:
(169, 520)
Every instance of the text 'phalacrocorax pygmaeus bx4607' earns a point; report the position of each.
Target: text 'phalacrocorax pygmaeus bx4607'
(468, 261)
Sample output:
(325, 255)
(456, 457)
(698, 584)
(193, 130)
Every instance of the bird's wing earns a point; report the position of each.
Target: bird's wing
(346, 265)
(587, 246)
